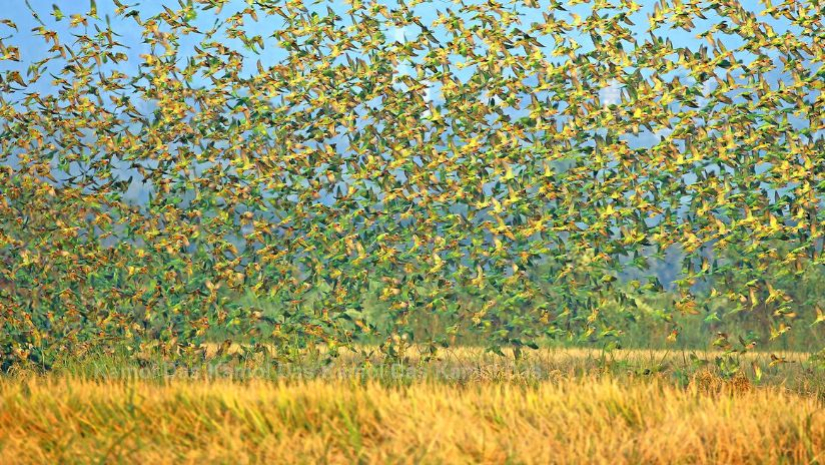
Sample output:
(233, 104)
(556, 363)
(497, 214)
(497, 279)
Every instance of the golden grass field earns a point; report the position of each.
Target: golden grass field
(558, 406)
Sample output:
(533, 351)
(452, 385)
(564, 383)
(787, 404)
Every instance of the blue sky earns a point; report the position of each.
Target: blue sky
(34, 48)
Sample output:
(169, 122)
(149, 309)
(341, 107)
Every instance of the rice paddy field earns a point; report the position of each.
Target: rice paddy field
(554, 406)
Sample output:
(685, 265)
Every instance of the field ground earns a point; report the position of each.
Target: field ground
(556, 406)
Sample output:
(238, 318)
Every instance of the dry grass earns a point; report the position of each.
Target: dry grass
(567, 417)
